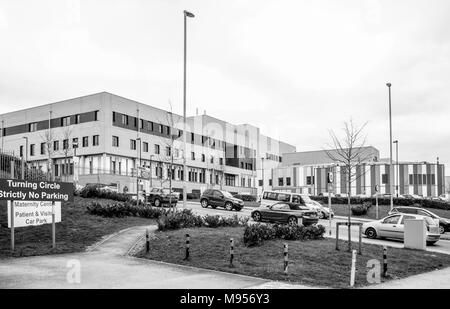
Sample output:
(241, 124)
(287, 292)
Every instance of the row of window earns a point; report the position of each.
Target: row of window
(414, 179)
(56, 145)
(273, 157)
(64, 121)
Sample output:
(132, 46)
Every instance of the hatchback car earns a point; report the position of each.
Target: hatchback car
(284, 212)
(220, 198)
(393, 226)
(444, 224)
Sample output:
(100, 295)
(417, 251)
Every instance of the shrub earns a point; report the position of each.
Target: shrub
(116, 209)
(152, 212)
(255, 234)
(93, 192)
(212, 221)
(359, 210)
(179, 219)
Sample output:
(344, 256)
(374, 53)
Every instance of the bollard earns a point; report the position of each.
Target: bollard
(360, 240)
(384, 261)
(337, 236)
(147, 241)
(286, 259)
(231, 251)
(353, 270)
(186, 258)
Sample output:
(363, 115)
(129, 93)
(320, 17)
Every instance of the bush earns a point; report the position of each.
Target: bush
(93, 192)
(255, 234)
(179, 219)
(116, 209)
(359, 210)
(218, 221)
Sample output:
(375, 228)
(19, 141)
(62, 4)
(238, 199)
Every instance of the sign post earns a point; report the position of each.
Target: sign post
(53, 226)
(12, 226)
(376, 200)
(330, 185)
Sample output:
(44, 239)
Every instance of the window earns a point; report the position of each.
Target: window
(77, 119)
(75, 142)
(135, 122)
(168, 151)
(309, 180)
(260, 182)
(21, 151)
(95, 140)
(242, 165)
(192, 155)
(91, 167)
(150, 125)
(115, 141)
(212, 160)
(85, 141)
(192, 138)
(114, 116)
(249, 181)
(167, 130)
(424, 179)
(203, 157)
(281, 207)
(95, 115)
(125, 120)
(160, 128)
(391, 220)
(32, 127)
(288, 181)
(65, 121)
(384, 178)
(156, 149)
(407, 218)
(283, 197)
(32, 150)
(65, 144)
(411, 180)
(113, 166)
(221, 161)
(132, 144)
(280, 181)
(145, 147)
(141, 123)
(270, 182)
(55, 145)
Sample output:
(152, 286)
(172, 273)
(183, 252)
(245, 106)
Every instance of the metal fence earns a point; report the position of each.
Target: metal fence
(12, 166)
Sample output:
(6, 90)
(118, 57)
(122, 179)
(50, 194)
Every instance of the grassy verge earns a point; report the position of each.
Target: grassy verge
(342, 210)
(314, 263)
(74, 233)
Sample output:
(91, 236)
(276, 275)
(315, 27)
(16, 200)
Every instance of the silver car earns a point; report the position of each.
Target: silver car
(393, 226)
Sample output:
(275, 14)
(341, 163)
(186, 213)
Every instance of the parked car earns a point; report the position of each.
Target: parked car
(445, 197)
(412, 196)
(161, 196)
(220, 198)
(444, 224)
(327, 194)
(322, 211)
(285, 212)
(393, 226)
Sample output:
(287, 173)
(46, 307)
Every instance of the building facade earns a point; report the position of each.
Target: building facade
(421, 178)
(107, 139)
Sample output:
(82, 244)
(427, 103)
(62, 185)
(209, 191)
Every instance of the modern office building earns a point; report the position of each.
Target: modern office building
(307, 172)
(107, 139)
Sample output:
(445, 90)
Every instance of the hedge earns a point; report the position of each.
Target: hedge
(386, 201)
(93, 192)
(246, 197)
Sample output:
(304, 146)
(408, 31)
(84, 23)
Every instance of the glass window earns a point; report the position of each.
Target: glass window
(32, 127)
(284, 197)
(55, 145)
(405, 217)
(132, 144)
(156, 149)
(115, 141)
(95, 140)
(65, 121)
(85, 141)
(145, 147)
(392, 220)
(281, 206)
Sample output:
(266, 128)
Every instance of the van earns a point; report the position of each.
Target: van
(268, 198)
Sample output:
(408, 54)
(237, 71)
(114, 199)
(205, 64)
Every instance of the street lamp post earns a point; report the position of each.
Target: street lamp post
(390, 148)
(262, 173)
(398, 168)
(186, 15)
(137, 169)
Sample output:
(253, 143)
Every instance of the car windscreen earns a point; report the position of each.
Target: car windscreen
(306, 198)
(165, 191)
(429, 221)
(226, 194)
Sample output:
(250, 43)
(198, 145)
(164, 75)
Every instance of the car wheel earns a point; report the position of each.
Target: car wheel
(441, 229)
(321, 215)
(204, 203)
(256, 216)
(229, 206)
(371, 233)
(292, 221)
(157, 203)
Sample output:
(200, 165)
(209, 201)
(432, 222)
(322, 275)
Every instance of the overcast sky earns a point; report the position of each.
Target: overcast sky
(293, 68)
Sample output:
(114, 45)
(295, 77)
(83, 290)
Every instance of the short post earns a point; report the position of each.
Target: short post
(23, 168)
(53, 226)
(360, 239)
(186, 258)
(353, 270)
(12, 226)
(376, 205)
(329, 208)
(385, 261)
(337, 236)
(231, 251)
(147, 241)
(286, 259)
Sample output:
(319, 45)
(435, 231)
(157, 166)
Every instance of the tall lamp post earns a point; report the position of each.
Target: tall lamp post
(390, 148)
(398, 168)
(186, 15)
(137, 169)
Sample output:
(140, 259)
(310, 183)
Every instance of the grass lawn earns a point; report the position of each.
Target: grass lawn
(342, 210)
(313, 263)
(75, 232)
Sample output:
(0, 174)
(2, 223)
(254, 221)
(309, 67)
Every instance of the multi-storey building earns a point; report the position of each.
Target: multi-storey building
(307, 172)
(104, 138)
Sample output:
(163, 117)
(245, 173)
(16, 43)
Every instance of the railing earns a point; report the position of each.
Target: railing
(12, 166)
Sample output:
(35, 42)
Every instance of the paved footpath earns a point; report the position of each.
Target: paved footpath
(108, 265)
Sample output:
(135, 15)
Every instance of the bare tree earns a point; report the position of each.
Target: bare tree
(67, 134)
(48, 138)
(348, 152)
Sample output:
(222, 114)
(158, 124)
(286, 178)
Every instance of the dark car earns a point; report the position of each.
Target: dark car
(285, 212)
(444, 224)
(161, 196)
(220, 198)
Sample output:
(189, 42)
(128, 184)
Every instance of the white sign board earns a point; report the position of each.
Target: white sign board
(28, 213)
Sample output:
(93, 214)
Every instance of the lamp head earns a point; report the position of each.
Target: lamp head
(389, 85)
(188, 14)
